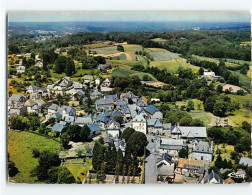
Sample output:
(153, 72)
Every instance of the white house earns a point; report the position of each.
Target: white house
(21, 69)
(113, 128)
(106, 82)
(203, 151)
(98, 81)
(139, 123)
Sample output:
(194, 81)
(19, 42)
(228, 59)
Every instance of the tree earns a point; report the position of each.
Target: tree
(98, 155)
(185, 121)
(12, 169)
(219, 162)
(246, 126)
(89, 62)
(60, 175)
(60, 64)
(64, 138)
(137, 142)
(69, 67)
(197, 123)
(219, 89)
(201, 71)
(183, 153)
(127, 133)
(120, 48)
(18, 122)
(84, 133)
(35, 153)
(119, 119)
(74, 133)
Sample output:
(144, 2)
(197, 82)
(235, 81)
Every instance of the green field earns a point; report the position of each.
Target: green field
(79, 171)
(173, 65)
(239, 116)
(131, 48)
(161, 54)
(244, 80)
(20, 145)
(141, 75)
(123, 72)
(160, 40)
(106, 50)
(120, 57)
(203, 116)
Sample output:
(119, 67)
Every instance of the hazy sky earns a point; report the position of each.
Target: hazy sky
(129, 16)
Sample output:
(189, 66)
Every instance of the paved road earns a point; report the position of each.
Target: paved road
(150, 163)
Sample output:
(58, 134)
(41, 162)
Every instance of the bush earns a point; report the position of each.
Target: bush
(35, 153)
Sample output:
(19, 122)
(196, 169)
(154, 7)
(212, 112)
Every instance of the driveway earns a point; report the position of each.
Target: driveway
(150, 163)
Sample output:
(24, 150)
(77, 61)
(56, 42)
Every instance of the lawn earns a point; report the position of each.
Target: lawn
(79, 170)
(141, 75)
(20, 146)
(239, 116)
(161, 54)
(244, 80)
(173, 65)
(203, 116)
(241, 99)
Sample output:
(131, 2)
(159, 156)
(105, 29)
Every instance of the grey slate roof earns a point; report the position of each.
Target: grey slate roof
(213, 175)
(54, 107)
(194, 132)
(202, 147)
(69, 119)
(83, 120)
(56, 115)
(151, 109)
(16, 97)
(94, 128)
(95, 93)
(58, 127)
(104, 101)
(113, 97)
(68, 109)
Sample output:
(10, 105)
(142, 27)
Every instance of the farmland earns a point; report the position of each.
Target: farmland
(20, 145)
(161, 54)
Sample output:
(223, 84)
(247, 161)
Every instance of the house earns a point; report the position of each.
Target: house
(88, 78)
(69, 119)
(53, 109)
(58, 127)
(117, 113)
(245, 161)
(113, 97)
(166, 128)
(139, 123)
(208, 75)
(141, 104)
(156, 100)
(16, 100)
(40, 103)
(113, 128)
(97, 81)
(190, 167)
(107, 82)
(65, 82)
(58, 90)
(67, 111)
(106, 89)
(27, 55)
(155, 126)
(78, 86)
(95, 94)
(128, 97)
(229, 181)
(188, 133)
(79, 95)
(133, 111)
(21, 69)
(104, 104)
(153, 112)
(212, 178)
(119, 143)
(17, 110)
(57, 116)
(165, 166)
(102, 119)
(39, 63)
(81, 121)
(43, 92)
(32, 106)
(170, 146)
(203, 151)
(94, 130)
(241, 174)
(32, 89)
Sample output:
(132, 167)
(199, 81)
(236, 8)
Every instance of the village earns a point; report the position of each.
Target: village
(174, 153)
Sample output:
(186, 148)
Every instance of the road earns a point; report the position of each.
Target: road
(150, 163)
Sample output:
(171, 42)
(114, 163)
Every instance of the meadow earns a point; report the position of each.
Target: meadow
(20, 145)
(161, 54)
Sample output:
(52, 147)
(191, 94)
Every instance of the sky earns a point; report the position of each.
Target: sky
(128, 16)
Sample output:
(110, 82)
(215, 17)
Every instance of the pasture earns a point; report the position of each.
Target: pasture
(161, 54)
(20, 145)
(105, 50)
(173, 65)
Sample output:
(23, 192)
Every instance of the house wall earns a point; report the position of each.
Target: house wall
(113, 132)
(202, 156)
(140, 126)
(157, 115)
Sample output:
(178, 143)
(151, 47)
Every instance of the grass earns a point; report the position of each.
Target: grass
(106, 50)
(173, 65)
(82, 72)
(239, 116)
(160, 40)
(132, 48)
(120, 57)
(203, 116)
(161, 54)
(241, 99)
(141, 75)
(79, 170)
(20, 145)
(225, 152)
(244, 80)
(123, 72)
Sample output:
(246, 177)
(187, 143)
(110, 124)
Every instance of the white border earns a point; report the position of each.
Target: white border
(105, 5)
